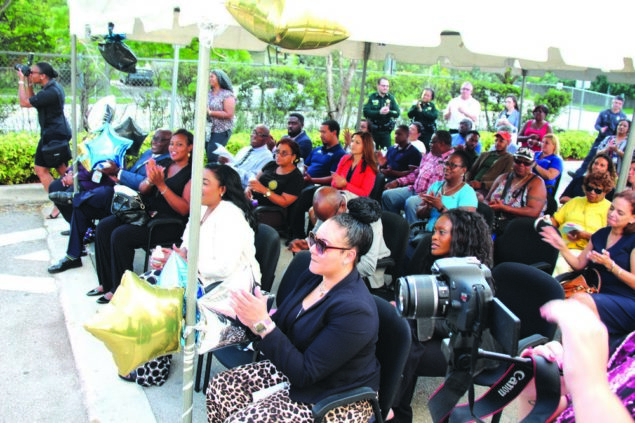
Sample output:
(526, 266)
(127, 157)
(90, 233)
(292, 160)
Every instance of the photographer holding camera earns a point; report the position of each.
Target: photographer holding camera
(457, 233)
(55, 131)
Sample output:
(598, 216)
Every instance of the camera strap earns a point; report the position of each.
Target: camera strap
(443, 402)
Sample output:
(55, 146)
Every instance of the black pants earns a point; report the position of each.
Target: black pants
(87, 205)
(382, 139)
(115, 245)
(424, 359)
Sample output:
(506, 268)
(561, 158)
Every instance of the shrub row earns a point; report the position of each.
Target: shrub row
(18, 148)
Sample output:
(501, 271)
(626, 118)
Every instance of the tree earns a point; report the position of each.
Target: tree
(22, 23)
(342, 85)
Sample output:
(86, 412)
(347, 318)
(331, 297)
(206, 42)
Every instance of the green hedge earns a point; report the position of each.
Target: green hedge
(18, 148)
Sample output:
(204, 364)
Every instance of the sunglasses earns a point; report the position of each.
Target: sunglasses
(522, 162)
(320, 245)
(589, 188)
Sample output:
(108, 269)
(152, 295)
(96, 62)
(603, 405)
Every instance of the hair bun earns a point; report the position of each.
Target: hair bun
(364, 209)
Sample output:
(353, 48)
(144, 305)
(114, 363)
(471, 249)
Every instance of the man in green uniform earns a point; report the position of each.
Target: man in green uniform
(381, 110)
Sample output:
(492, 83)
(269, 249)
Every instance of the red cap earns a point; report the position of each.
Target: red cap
(504, 135)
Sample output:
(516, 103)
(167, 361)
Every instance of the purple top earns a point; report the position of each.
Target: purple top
(621, 378)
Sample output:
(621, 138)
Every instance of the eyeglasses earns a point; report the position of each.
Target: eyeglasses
(259, 135)
(282, 153)
(451, 165)
(589, 188)
(320, 245)
(523, 162)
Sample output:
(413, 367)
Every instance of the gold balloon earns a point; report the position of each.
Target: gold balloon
(288, 26)
(141, 322)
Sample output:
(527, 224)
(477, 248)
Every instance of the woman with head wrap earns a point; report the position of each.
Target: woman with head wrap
(221, 102)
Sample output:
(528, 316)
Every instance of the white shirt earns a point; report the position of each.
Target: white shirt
(471, 105)
(258, 158)
(226, 248)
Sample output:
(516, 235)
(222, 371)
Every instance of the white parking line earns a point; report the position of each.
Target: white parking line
(34, 285)
(22, 236)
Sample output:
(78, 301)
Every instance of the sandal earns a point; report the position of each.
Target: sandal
(130, 377)
(54, 214)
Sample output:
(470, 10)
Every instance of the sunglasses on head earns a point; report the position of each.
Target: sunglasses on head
(522, 162)
(589, 188)
(320, 245)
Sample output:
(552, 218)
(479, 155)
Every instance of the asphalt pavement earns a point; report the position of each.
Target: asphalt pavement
(52, 369)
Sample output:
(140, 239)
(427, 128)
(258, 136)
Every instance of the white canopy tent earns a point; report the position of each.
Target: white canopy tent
(564, 37)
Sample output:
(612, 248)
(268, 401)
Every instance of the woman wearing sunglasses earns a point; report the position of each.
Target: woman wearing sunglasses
(280, 182)
(610, 252)
(320, 341)
(580, 217)
(519, 192)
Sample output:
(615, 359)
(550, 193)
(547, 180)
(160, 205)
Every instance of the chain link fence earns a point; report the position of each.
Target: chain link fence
(262, 96)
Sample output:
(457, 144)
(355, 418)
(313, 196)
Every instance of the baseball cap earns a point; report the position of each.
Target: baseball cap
(524, 153)
(504, 135)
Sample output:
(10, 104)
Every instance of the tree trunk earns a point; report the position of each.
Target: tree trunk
(336, 108)
(329, 88)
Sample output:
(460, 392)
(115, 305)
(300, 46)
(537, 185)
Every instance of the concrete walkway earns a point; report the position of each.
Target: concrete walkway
(84, 361)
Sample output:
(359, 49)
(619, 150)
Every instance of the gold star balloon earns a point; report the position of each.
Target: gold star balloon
(294, 25)
(141, 322)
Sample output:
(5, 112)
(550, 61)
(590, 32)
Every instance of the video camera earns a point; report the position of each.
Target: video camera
(26, 69)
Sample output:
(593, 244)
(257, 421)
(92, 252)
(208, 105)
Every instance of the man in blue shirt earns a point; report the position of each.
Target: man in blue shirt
(317, 172)
(295, 129)
(460, 138)
(399, 157)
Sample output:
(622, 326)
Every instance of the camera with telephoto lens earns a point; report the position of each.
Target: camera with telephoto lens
(457, 290)
(26, 69)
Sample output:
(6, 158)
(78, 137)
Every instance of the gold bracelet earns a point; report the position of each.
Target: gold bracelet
(612, 268)
(619, 272)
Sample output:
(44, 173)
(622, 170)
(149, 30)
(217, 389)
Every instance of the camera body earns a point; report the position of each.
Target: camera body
(457, 290)
(26, 69)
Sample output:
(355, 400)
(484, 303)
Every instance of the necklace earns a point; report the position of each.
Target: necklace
(321, 289)
(447, 191)
(519, 183)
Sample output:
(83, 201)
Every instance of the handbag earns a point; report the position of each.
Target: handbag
(55, 153)
(128, 206)
(587, 281)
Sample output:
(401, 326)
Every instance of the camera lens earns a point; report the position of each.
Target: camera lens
(419, 296)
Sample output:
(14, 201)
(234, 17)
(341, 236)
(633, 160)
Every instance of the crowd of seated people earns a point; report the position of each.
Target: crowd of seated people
(331, 215)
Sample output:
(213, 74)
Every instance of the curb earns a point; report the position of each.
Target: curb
(106, 397)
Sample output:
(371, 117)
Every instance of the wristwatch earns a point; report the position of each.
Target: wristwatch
(264, 326)
(267, 193)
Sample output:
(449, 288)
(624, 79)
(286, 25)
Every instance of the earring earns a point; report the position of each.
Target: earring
(189, 154)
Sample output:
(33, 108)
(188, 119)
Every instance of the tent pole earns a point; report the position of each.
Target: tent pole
(522, 96)
(361, 90)
(175, 80)
(626, 164)
(74, 107)
(198, 154)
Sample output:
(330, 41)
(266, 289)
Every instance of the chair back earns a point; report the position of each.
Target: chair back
(378, 187)
(487, 213)
(297, 266)
(521, 243)
(267, 242)
(524, 289)
(393, 347)
(396, 231)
